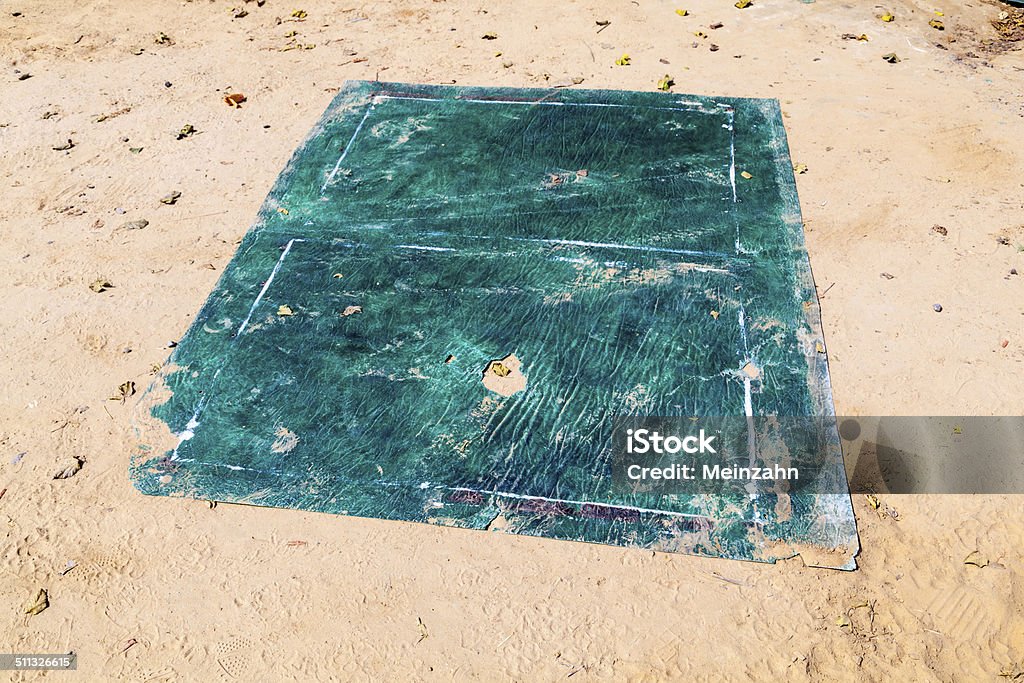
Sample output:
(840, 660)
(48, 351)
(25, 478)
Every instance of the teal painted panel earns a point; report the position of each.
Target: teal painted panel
(611, 242)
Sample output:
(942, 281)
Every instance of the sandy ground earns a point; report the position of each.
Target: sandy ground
(177, 590)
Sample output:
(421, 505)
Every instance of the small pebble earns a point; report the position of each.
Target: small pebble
(167, 84)
(171, 344)
(937, 308)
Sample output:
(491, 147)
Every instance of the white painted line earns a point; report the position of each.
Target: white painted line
(266, 285)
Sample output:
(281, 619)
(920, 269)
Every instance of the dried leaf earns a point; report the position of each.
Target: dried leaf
(284, 310)
(187, 130)
(423, 630)
(41, 602)
(71, 470)
(843, 621)
(64, 146)
(299, 14)
(977, 559)
(100, 285)
(234, 99)
(873, 501)
(715, 314)
(891, 58)
(351, 310)
(170, 198)
(163, 39)
(489, 36)
(124, 390)
(134, 225)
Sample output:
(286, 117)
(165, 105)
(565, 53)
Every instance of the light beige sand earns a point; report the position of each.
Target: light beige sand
(176, 590)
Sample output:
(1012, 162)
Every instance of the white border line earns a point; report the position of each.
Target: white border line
(266, 285)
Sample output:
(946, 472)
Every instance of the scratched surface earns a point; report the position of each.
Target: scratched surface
(610, 241)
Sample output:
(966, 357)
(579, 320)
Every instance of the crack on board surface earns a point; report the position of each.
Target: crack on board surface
(451, 292)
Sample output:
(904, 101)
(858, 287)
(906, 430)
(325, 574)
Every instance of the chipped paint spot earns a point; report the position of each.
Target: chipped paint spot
(285, 442)
(503, 377)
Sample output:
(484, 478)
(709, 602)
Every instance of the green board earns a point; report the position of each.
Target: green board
(451, 293)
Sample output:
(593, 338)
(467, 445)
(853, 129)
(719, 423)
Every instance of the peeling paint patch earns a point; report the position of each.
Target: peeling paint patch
(503, 376)
(286, 441)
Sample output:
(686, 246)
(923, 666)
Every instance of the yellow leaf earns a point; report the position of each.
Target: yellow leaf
(743, 4)
(700, 34)
(936, 24)
(873, 501)
(800, 168)
(863, 38)
(284, 310)
(746, 175)
(124, 390)
(299, 14)
(958, 429)
(623, 60)
(715, 314)
(887, 17)
(977, 559)
(500, 370)
(682, 12)
(843, 621)
(666, 83)
(41, 602)
(819, 347)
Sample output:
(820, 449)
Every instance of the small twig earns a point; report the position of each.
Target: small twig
(822, 295)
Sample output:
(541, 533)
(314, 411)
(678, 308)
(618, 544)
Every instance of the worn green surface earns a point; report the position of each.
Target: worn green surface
(591, 234)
